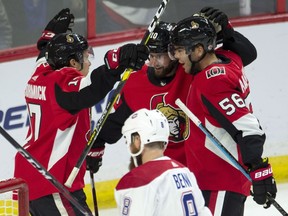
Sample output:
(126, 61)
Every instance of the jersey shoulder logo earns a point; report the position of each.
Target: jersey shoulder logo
(215, 71)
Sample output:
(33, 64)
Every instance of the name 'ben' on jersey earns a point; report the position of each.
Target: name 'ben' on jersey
(182, 180)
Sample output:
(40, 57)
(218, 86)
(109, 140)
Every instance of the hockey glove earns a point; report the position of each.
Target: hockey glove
(62, 22)
(220, 22)
(128, 56)
(94, 159)
(263, 183)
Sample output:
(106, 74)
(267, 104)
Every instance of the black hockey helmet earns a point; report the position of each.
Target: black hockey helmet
(160, 39)
(192, 31)
(64, 47)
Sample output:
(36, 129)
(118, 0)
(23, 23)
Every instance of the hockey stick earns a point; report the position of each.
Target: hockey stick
(114, 98)
(43, 171)
(222, 148)
(94, 193)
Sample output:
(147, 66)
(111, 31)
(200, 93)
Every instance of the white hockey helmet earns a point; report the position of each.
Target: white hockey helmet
(151, 125)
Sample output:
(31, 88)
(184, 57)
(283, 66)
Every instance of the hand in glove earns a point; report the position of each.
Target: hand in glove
(128, 56)
(94, 159)
(263, 183)
(220, 22)
(62, 22)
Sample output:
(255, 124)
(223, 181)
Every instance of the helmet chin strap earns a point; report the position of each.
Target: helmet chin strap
(81, 62)
(193, 69)
(81, 66)
(135, 155)
(135, 161)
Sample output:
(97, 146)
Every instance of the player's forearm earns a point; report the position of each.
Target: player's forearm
(251, 148)
(101, 83)
(242, 46)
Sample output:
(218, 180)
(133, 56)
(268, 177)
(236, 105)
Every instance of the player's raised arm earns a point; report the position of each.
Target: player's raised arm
(232, 40)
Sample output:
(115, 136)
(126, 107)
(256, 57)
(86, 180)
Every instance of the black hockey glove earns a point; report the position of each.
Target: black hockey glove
(94, 159)
(263, 183)
(128, 56)
(220, 21)
(61, 23)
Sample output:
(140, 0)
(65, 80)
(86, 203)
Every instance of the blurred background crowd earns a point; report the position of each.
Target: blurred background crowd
(22, 21)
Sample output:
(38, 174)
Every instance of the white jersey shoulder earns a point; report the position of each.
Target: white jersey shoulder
(160, 187)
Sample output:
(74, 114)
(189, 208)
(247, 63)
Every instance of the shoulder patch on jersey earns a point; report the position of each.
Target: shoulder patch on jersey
(215, 71)
(174, 164)
(34, 78)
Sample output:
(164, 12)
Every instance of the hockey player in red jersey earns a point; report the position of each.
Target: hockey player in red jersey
(59, 95)
(157, 86)
(219, 97)
(158, 185)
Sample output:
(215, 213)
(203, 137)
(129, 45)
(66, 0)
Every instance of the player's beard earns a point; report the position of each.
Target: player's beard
(195, 66)
(168, 71)
(132, 164)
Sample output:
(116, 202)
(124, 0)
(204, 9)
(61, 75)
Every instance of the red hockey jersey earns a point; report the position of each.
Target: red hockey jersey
(57, 136)
(140, 92)
(219, 97)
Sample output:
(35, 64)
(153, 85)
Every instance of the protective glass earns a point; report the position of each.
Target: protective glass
(88, 55)
(91, 53)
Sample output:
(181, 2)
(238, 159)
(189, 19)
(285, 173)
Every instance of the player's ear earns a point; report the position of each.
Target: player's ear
(199, 49)
(73, 63)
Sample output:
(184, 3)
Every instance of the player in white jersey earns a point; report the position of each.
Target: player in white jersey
(158, 185)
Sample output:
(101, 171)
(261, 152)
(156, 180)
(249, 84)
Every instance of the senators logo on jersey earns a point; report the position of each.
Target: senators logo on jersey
(178, 121)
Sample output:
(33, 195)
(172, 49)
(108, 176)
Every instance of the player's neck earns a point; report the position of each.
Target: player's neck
(151, 154)
(209, 59)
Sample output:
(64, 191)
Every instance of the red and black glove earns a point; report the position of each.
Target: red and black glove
(128, 56)
(220, 22)
(263, 183)
(94, 159)
(61, 23)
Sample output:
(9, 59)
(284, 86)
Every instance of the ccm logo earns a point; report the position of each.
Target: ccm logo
(263, 173)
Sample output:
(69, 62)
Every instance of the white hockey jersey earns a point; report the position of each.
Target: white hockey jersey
(160, 187)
